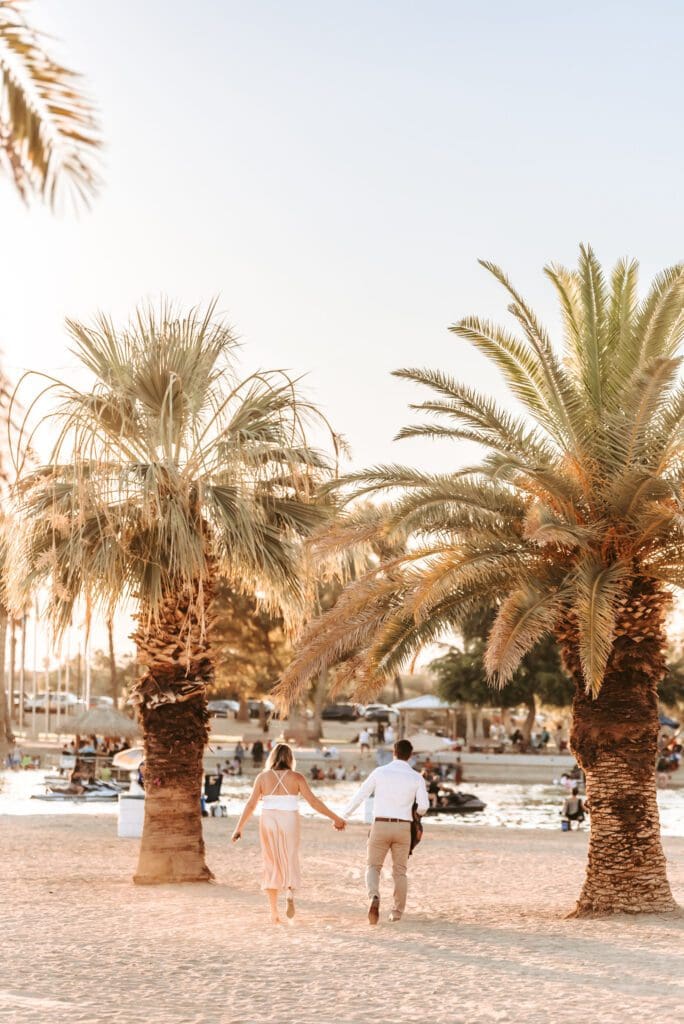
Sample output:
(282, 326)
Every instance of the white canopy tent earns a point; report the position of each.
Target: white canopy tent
(417, 711)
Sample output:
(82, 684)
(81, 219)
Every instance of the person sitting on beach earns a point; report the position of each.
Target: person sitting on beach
(573, 808)
(340, 773)
(316, 773)
(76, 782)
(354, 774)
(432, 783)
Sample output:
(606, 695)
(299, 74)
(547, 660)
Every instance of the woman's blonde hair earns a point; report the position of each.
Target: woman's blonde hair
(282, 756)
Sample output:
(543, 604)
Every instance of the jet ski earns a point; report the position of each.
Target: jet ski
(452, 801)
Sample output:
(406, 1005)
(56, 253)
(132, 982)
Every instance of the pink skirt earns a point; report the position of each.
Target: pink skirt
(279, 835)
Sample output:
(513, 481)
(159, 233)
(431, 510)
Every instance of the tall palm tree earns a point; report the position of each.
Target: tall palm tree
(49, 132)
(570, 524)
(167, 473)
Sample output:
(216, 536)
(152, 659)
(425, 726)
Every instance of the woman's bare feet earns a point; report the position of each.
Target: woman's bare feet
(273, 905)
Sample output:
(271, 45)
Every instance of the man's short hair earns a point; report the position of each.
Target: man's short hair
(403, 749)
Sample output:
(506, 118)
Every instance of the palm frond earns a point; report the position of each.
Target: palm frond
(598, 588)
(525, 616)
(659, 321)
(594, 340)
(543, 527)
(169, 471)
(49, 132)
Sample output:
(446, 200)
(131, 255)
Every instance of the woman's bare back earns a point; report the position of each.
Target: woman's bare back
(283, 783)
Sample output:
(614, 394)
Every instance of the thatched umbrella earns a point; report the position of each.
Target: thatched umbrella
(101, 721)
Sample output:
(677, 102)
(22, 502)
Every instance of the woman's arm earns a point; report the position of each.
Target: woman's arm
(318, 805)
(248, 809)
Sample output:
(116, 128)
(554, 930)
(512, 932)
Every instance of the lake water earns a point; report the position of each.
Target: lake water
(508, 806)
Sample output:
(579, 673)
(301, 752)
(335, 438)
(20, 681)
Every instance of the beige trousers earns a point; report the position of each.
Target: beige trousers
(395, 837)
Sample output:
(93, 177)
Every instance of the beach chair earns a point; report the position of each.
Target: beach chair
(212, 796)
(67, 763)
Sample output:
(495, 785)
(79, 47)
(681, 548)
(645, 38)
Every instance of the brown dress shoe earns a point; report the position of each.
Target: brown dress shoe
(374, 910)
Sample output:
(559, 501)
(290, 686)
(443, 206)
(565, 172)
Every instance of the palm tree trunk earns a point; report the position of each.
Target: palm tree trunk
(12, 676)
(113, 674)
(469, 728)
(320, 693)
(172, 706)
(528, 724)
(614, 738)
(6, 734)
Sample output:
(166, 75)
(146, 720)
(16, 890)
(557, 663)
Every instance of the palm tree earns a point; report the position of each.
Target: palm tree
(571, 523)
(167, 473)
(48, 129)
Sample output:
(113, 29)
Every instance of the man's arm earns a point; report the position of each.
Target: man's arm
(422, 799)
(365, 790)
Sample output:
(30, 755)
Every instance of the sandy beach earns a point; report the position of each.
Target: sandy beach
(483, 940)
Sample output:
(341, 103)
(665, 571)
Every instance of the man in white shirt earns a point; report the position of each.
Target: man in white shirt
(395, 788)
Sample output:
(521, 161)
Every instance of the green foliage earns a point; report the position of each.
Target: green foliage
(671, 687)
(251, 646)
(462, 676)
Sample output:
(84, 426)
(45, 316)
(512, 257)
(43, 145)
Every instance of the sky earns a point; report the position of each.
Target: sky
(333, 171)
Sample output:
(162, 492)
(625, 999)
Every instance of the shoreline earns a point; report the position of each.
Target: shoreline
(485, 938)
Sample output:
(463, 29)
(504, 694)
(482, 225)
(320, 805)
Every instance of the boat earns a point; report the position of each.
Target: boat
(452, 801)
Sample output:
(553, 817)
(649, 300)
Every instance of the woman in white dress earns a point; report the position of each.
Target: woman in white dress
(279, 788)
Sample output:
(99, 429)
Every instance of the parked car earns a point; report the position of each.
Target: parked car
(65, 702)
(339, 713)
(380, 713)
(223, 708)
(101, 702)
(254, 707)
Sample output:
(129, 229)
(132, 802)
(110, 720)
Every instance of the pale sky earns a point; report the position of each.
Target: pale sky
(333, 171)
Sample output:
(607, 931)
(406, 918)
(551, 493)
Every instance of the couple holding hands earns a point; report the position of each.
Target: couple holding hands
(396, 789)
